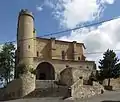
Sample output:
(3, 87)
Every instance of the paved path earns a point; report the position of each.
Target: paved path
(113, 96)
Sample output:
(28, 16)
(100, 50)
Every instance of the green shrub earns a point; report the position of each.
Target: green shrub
(22, 69)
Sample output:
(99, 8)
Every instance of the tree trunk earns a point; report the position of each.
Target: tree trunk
(109, 82)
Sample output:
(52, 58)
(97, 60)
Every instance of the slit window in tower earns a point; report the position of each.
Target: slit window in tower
(37, 53)
(63, 55)
(28, 46)
(78, 58)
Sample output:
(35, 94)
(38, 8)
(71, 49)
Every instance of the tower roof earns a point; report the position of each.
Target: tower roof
(26, 12)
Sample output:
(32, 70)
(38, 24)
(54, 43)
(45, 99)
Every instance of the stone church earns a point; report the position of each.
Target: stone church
(53, 60)
(48, 56)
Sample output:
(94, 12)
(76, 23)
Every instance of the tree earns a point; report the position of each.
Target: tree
(109, 66)
(7, 62)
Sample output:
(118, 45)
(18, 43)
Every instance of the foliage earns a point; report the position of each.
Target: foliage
(109, 66)
(33, 71)
(23, 69)
(7, 62)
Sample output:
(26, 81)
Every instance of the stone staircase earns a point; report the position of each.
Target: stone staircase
(48, 88)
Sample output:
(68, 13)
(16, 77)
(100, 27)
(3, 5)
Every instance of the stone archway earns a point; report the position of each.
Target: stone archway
(45, 71)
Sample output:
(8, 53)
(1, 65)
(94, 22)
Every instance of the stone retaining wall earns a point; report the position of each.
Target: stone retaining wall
(115, 83)
(19, 87)
(86, 91)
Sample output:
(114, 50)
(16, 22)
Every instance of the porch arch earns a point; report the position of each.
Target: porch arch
(45, 71)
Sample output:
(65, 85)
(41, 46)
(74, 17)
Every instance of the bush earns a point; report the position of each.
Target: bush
(32, 71)
(23, 69)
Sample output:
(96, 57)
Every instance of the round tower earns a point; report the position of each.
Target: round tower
(26, 37)
(25, 51)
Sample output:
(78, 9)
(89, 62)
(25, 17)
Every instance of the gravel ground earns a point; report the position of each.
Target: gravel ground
(109, 96)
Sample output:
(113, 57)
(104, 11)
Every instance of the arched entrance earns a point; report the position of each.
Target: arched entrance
(45, 71)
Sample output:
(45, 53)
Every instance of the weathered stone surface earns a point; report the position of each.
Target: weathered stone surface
(115, 83)
(28, 83)
(70, 75)
(86, 91)
(19, 87)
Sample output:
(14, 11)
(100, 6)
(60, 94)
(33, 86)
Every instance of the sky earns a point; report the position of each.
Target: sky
(56, 15)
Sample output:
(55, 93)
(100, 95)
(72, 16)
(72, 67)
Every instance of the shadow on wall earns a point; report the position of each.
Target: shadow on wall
(109, 101)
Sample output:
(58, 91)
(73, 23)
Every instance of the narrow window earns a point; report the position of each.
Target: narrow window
(37, 53)
(63, 55)
(78, 58)
(87, 67)
(28, 46)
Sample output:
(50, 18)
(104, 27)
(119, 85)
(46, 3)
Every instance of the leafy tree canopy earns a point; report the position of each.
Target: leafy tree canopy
(7, 62)
(109, 66)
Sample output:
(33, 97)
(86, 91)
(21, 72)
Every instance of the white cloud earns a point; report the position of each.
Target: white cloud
(1, 47)
(73, 12)
(15, 44)
(39, 8)
(108, 1)
(98, 39)
(49, 3)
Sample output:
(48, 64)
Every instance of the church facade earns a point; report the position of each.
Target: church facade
(58, 65)
(48, 56)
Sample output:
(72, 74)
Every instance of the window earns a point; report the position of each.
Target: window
(28, 46)
(78, 58)
(63, 55)
(37, 53)
(87, 67)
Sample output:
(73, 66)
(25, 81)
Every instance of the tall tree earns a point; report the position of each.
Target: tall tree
(109, 66)
(7, 62)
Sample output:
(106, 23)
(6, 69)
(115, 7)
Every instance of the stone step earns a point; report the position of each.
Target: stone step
(45, 83)
(48, 92)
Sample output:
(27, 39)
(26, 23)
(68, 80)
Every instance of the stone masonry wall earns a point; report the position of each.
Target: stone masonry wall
(12, 90)
(28, 83)
(70, 75)
(19, 87)
(86, 91)
(115, 83)
(60, 65)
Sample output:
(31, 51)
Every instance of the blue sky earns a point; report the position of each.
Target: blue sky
(45, 22)
(56, 15)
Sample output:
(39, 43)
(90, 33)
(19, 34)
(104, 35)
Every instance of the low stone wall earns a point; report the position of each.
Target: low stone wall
(28, 84)
(19, 87)
(70, 75)
(1, 93)
(115, 83)
(12, 90)
(86, 91)
(78, 84)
